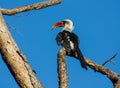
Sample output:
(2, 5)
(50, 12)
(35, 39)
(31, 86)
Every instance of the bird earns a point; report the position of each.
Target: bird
(69, 40)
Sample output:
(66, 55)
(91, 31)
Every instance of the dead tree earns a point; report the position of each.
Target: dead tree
(63, 77)
(17, 62)
(11, 54)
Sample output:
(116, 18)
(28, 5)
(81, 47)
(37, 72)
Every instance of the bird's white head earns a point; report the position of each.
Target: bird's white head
(66, 24)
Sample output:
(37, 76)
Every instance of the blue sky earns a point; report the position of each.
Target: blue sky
(97, 23)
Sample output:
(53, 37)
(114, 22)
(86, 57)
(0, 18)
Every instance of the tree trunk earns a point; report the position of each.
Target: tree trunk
(15, 60)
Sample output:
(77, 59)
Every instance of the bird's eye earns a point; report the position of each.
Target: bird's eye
(65, 22)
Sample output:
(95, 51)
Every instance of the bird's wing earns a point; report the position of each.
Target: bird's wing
(59, 38)
(66, 44)
(75, 38)
(63, 39)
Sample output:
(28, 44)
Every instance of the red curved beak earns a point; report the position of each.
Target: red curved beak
(58, 24)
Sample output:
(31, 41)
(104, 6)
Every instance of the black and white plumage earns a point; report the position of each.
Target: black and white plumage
(69, 40)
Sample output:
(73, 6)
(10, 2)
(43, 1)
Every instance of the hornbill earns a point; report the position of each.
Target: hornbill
(70, 41)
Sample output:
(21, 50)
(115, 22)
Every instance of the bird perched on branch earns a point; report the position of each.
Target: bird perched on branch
(69, 40)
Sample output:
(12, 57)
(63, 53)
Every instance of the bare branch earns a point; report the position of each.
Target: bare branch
(62, 73)
(63, 79)
(109, 60)
(114, 77)
(29, 7)
(101, 69)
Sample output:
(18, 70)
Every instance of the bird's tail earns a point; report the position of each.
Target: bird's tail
(80, 57)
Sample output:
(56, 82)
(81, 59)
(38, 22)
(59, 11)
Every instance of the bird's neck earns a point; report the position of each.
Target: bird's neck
(67, 29)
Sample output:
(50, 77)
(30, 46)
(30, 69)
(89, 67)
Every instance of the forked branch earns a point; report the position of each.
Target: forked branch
(114, 77)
